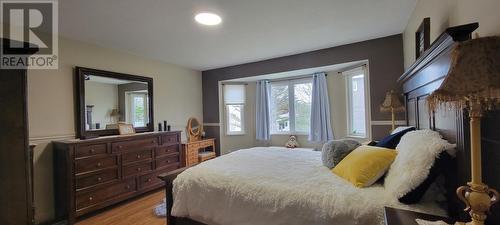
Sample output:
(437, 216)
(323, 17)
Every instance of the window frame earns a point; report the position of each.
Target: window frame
(129, 116)
(291, 105)
(226, 111)
(348, 75)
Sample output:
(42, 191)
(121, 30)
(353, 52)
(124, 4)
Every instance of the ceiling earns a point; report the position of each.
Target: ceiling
(251, 30)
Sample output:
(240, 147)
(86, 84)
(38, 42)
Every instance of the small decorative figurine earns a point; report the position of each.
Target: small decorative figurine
(292, 142)
(159, 127)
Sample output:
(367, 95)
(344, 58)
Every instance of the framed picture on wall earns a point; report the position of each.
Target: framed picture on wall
(422, 37)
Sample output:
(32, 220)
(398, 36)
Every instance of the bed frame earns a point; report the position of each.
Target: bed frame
(423, 77)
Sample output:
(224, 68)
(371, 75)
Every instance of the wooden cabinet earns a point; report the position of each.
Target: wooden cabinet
(16, 165)
(95, 173)
(192, 150)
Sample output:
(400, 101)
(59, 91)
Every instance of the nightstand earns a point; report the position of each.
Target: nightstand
(404, 217)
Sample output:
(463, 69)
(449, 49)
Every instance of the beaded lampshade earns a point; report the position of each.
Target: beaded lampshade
(391, 102)
(474, 75)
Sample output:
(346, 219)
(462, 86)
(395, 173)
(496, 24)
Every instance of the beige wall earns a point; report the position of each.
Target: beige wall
(446, 13)
(104, 98)
(177, 96)
(337, 96)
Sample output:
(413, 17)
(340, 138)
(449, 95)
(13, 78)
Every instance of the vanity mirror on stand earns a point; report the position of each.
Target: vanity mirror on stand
(197, 148)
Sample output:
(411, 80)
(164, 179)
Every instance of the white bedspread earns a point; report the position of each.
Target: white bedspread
(273, 186)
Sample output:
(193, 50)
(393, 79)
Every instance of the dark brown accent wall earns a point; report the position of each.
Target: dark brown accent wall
(385, 56)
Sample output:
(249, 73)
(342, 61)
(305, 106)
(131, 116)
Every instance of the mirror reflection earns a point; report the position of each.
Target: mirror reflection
(109, 101)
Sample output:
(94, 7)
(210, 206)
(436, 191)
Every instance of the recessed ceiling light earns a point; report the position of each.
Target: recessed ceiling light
(209, 19)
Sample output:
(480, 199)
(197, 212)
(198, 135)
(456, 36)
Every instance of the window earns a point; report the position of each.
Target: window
(290, 106)
(357, 102)
(234, 102)
(137, 105)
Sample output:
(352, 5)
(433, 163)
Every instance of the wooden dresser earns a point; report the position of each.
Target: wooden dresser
(192, 149)
(95, 173)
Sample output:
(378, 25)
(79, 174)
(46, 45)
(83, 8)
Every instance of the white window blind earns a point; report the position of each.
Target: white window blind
(234, 93)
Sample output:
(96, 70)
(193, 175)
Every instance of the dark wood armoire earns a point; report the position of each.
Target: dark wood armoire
(16, 190)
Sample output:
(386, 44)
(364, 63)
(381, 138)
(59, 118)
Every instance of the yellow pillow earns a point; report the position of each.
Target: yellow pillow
(365, 165)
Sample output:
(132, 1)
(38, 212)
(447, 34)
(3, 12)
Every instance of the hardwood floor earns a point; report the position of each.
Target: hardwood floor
(136, 212)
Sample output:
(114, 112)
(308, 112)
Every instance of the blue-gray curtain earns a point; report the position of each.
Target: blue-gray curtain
(321, 129)
(262, 126)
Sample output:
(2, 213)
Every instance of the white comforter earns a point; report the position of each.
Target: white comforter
(272, 186)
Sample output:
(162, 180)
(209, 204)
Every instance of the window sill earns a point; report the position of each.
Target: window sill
(238, 134)
(356, 136)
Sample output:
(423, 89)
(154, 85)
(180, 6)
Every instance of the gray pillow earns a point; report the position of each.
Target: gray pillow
(334, 151)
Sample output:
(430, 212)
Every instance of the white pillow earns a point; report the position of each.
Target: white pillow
(417, 152)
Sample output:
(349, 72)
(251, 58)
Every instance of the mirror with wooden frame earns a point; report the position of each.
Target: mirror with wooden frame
(105, 99)
(194, 129)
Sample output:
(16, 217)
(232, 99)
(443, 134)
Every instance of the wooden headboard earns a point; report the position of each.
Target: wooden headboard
(421, 79)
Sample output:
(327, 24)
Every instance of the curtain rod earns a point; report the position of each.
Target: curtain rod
(352, 68)
(234, 83)
(294, 77)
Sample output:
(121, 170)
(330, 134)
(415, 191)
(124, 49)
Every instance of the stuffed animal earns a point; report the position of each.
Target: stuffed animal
(292, 142)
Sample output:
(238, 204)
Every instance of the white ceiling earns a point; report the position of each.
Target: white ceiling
(251, 30)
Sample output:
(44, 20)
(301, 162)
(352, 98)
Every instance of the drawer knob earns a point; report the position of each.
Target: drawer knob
(92, 150)
(99, 179)
(139, 169)
(138, 156)
(168, 161)
(99, 164)
(91, 198)
(119, 146)
(148, 180)
(127, 187)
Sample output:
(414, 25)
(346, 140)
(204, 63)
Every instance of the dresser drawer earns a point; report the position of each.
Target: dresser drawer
(136, 156)
(90, 150)
(86, 199)
(166, 150)
(135, 144)
(170, 139)
(149, 180)
(167, 161)
(94, 179)
(137, 169)
(95, 163)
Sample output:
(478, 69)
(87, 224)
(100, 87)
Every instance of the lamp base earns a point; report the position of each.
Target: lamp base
(478, 199)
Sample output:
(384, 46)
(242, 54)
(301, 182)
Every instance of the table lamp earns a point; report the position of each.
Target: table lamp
(392, 103)
(473, 82)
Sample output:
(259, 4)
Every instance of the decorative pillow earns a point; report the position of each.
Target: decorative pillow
(442, 162)
(392, 140)
(365, 165)
(334, 151)
(417, 152)
(401, 128)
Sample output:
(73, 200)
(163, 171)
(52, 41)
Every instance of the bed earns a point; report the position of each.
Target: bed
(292, 187)
(261, 186)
